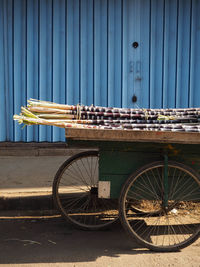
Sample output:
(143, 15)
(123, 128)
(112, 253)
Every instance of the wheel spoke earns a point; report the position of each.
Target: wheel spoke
(74, 177)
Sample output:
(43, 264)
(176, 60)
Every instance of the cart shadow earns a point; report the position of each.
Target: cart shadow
(52, 240)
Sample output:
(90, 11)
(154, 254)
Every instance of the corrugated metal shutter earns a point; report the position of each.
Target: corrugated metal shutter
(81, 51)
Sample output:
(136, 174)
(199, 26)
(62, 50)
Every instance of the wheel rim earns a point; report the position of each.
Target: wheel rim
(77, 194)
(147, 218)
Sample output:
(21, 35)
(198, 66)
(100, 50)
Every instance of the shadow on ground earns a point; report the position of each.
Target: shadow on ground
(49, 240)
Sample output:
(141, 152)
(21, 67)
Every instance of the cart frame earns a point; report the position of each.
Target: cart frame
(126, 155)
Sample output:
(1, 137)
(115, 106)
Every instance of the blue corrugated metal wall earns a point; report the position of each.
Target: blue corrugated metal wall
(80, 51)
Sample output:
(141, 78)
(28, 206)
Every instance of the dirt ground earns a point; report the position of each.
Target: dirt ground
(50, 241)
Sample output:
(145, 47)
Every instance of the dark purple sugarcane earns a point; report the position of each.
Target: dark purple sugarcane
(121, 122)
(122, 116)
(103, 113)
(187, 119)
(153, 127)
(130, 110)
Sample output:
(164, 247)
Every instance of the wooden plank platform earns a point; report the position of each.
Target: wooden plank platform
(132, 136)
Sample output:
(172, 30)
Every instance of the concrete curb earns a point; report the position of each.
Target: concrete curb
(10, 149)
(26, 203)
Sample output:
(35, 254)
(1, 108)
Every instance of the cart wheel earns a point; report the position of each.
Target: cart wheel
(145, 215)
(75, 193)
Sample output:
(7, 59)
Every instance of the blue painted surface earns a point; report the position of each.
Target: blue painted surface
(80, 51)
(19, 63)
(183, 53)
(73, 52)
(58, 84)
(169, 56)
(3, 67)
(145, 53)
(114, 85)
(86, 53)
(156, 53)
(45, 60)
(194, 91)
(100, 52)
(127, 64)
(32, 60)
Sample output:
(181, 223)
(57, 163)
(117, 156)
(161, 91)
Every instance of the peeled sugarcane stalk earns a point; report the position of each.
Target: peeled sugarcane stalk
(88, 125)
(49, 110)
(47, 104)
(54, 116)
(61, 124)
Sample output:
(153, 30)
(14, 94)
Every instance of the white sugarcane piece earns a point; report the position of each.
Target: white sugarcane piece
(47, 104)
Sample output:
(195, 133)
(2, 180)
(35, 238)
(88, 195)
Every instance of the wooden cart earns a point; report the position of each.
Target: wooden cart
(148, 179)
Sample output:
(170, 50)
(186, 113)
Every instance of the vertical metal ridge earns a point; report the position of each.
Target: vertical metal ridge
(50, 129)
(176, 53)
(38, 129)
(107, 32)
(45, 134)
(80, 80)
(13, 123)
(32, 60)
(2, 76)
(192, 71)
(65, 100)
(19, 63)
(156, 54)
(163, 49)
(86, 52)
(93, 43)
(144, 54)
(124, 56)
(190, 47)
(150, 15)
(4, 73)
(183, 54)
(195, 56)
(100, 53)
(13, 62)
(58, 53)
(114, 54)
(80, 53)
(121, 54)
(24, 97)
(26, 41)
(52, 52)
(39, 52)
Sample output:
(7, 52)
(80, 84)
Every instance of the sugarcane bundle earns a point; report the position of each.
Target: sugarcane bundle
(95, 117)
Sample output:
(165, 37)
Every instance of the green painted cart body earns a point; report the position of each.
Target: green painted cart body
(123, 152)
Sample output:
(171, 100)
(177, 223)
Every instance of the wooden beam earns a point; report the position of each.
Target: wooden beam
(132, 136)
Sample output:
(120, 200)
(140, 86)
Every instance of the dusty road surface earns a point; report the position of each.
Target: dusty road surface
(52, 242)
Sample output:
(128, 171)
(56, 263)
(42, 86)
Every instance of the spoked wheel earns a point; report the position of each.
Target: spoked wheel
(75, 193)
(158, 218)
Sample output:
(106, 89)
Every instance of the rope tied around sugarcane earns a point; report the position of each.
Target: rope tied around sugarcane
(78, 110)
(145, 113)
